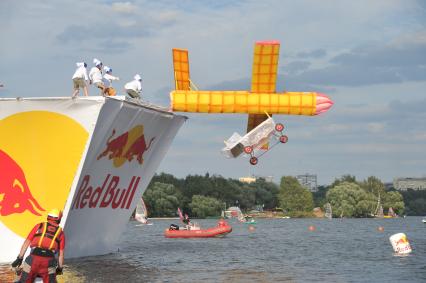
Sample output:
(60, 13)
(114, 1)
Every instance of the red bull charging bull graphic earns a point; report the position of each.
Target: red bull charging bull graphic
(17, 197)
(125, 147)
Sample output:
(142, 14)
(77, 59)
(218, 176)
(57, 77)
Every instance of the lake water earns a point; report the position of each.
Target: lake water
(278, 250)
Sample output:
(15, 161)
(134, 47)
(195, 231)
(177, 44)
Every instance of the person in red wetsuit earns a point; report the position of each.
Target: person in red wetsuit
(46, 240)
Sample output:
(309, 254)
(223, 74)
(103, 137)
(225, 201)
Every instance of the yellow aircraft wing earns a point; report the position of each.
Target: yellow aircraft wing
(181, 69)
(264, 75)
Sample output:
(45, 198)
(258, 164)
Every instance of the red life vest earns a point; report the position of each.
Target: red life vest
(47, 236)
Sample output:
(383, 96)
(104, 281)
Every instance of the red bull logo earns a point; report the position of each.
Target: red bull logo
(128, 146)
(39, 154)
(15, 192)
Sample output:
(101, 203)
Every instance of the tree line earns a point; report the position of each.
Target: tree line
(206, 196)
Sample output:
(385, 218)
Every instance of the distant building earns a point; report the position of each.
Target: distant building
(269, 179)
(309, 181)
(247, 180)
(253, 178)
(403, 184)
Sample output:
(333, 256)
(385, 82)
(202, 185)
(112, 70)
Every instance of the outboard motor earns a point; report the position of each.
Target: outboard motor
(173, 227)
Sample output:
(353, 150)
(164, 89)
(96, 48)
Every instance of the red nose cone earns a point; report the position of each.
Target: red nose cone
(323, 104)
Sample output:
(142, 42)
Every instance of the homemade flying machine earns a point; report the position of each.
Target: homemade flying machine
(259, 103)
(254, 141)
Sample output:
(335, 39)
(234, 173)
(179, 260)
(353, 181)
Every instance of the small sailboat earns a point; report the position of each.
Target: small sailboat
(233, 212)
(141, 214)
(378, 213)
(328, 212)
(391, 213)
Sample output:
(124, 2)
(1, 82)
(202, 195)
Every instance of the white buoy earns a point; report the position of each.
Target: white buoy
(400, 243)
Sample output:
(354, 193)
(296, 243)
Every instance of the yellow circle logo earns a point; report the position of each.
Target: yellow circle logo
(39, 155)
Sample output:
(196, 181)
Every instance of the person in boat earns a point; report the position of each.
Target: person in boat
(80, 79)
(134, 88)
(222, 223)
(187, 222)
(107, 80)
(95, 75)
(46, 240)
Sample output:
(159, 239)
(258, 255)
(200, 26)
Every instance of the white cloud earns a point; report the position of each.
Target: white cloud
(366, 148)
(167, 16)
(124, 7)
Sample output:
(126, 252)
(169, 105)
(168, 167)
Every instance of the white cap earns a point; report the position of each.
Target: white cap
(137, 77)
(97, 62)
(107, 69)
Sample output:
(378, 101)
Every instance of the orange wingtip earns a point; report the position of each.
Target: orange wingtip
(268, 42)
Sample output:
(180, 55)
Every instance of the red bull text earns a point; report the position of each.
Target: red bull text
(107, 195)
(403, 246)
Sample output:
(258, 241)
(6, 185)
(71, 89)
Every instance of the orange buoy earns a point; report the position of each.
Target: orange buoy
(380, 229)
(251, 228)
(312, 228)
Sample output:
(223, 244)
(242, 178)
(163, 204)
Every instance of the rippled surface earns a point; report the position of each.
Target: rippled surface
(279, 250)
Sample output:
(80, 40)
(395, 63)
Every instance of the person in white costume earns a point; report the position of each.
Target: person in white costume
(107, 80)
(80, 79)
(134, 88)
(95, 75)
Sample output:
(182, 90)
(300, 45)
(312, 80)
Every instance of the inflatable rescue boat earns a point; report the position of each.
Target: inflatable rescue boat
(220, 230)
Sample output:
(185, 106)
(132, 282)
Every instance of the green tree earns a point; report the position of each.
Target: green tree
(266, 193)
(394, 200)
(417, 207)
(350, 200)
(202, 206)
(294, 198)
(226, 190)
(320, 196)
(373, 185)
(167, 179)
(415, 201)
(162, 199)
(343, 179)
(248, 198)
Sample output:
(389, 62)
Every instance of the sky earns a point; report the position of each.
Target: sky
(369, 57)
